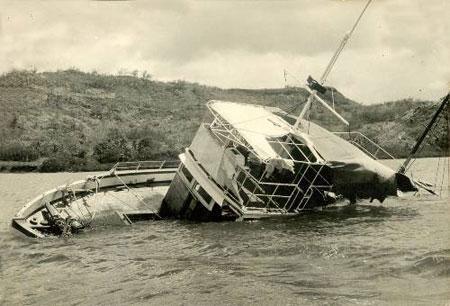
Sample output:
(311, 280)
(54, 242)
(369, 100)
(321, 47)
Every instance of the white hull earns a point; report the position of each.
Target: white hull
(113, 198)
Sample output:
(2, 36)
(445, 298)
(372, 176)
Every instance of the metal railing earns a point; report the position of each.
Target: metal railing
(146, 164)
(258, 191)
(284, 197)
(365, 144)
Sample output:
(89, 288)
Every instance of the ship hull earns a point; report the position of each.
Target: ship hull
(115, 198)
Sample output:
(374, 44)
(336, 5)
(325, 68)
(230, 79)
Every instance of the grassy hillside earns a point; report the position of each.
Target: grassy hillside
(73, 120)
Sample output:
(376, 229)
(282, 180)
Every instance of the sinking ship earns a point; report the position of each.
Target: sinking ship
(245, 162)
(253, 161)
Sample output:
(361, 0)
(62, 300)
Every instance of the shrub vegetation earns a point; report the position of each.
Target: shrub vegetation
(88, 121)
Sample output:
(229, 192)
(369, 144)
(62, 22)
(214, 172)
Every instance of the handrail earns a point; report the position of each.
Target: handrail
(362, 148)
(252, 179)
(145, 164)
(370, 141)
(288, 199)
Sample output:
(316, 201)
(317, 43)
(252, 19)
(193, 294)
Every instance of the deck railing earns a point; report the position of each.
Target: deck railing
(146, 164)
(283, 197)
(261, 192)
(365, 144)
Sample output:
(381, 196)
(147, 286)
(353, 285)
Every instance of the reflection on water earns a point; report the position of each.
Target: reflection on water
(390, 253)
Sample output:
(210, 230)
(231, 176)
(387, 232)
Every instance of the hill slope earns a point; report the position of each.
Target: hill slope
(79, 121)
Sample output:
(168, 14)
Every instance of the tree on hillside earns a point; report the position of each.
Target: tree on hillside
(113, 148)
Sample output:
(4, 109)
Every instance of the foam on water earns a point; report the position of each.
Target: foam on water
(390, 253)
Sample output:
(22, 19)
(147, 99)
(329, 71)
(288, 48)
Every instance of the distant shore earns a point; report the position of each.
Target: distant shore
(37, 166)
(85, 121)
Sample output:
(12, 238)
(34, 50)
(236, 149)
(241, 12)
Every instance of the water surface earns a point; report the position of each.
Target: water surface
(397, 252)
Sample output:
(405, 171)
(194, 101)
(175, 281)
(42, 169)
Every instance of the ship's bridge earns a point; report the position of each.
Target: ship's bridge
(254, 153)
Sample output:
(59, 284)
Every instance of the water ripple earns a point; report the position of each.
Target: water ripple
(395, 252)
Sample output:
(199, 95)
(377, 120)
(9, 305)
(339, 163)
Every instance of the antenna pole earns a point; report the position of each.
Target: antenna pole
(344, 41)
(330, 65)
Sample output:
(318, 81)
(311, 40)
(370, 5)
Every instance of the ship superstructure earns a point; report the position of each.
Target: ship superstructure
(252, 161)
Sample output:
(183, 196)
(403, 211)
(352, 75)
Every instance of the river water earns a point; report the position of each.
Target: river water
(397, 252)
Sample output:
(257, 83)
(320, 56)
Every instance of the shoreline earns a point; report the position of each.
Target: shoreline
(35, 166)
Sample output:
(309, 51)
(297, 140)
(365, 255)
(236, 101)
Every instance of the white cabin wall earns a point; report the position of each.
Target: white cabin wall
(208, 151)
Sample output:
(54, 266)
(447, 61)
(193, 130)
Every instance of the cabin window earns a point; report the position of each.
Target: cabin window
(203, 194)
(290, 149)
(186, 174)
(234, 151)
(300, 151)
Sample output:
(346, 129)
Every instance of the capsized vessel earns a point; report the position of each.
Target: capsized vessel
(252, 161)
(246, 162)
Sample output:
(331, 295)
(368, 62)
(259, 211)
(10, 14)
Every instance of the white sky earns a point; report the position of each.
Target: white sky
(401, 48)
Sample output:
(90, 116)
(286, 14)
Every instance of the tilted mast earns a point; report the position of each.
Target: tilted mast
(445, 102)
(314, 89)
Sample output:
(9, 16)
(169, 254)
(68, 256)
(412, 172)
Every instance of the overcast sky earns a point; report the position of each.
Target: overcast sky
(401, 48)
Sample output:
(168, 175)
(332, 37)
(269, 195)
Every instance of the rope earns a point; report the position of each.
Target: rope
(136, 196)
(441, 185)
(120, 200)
(432, 132)
(437, 172)
(445, 167)
(92, 215)
(82, 218)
